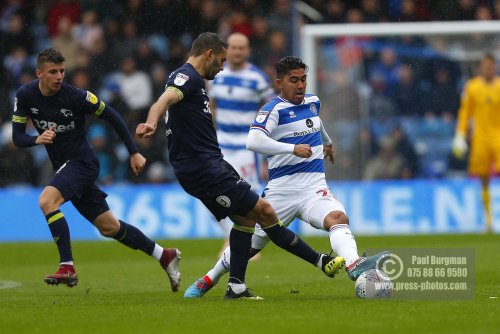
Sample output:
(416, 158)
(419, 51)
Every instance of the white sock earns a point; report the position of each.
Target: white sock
(237, 287)
(319, 263)
(68, 263)
(343, 243)
(221, 267)
(157, 252)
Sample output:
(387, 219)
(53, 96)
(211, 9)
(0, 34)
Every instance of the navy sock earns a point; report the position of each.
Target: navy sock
(289, 241)
(60, 233)
(240, 240)
(132, 237)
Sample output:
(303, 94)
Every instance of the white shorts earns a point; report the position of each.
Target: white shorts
(310, 205)
(246, 164)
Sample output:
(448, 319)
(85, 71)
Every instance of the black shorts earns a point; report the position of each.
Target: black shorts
(239, 199)
(76, 181)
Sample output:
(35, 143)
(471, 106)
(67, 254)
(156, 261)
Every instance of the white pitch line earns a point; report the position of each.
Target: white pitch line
(9, 284)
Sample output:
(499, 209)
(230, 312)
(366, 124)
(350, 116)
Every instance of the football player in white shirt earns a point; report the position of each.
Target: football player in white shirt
(235, 94)
(289, 131)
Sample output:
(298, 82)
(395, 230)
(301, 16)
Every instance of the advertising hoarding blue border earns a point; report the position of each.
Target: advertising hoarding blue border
(167, 212)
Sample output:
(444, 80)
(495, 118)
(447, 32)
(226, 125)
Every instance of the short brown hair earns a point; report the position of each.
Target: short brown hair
(206, 41)
(50, 55)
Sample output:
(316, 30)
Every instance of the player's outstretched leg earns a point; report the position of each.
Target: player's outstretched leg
(331, 265)
(362, 264)
(203, 284)
(132, 237)
(66, 274)
(199, 287)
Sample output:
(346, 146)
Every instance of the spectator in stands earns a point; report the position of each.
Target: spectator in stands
(335, 12)
(135, 88)
(176, 55)
(483, 13)
(81, 79)
(89, 31)
(259, 39)
(466, 10)
(159, 76)
(17, 35)
(443, 96)
(105, 9)
(62, 8)
(408, 96)
(136, 11)
(13, 7)
(387, 66)
(16, 62)
(145, 56)
(102, 61)
(387, 164)
(280, 20)
(66, 43)
(372, 11)
(381, 106)
(404, 147)
(129, 38)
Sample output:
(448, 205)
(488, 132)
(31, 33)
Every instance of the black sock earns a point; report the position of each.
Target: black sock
(289, 241)
(132, 237)
(60, 233)
(240, 240)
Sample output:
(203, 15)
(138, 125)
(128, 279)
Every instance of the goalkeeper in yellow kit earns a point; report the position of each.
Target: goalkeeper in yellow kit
(480, 112)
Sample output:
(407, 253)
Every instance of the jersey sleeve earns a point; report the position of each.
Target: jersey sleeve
(265, 121)
(19, 121)
(182, 83)
(88, 102)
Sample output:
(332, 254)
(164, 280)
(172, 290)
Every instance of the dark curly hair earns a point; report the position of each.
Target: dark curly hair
(289, 63)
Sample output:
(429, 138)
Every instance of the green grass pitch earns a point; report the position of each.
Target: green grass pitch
(122, 291)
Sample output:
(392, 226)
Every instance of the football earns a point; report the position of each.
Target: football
(373, 284)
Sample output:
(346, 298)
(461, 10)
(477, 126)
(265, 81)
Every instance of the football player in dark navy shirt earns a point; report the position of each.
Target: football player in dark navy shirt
(58, 112)
(201, 170)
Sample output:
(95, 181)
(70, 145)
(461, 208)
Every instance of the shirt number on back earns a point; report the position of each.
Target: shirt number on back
(206, 107)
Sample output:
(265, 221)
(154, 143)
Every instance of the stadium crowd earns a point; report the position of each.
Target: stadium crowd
(124, 51)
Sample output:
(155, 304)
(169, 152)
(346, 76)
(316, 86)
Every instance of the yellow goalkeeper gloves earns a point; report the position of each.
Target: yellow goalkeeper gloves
(459, 146)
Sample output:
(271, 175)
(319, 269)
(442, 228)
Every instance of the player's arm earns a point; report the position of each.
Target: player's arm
(137, 161)
(327, 144)
(22, 139)
(459, 145)
(259, 141)
(171, 96)
(19, 121)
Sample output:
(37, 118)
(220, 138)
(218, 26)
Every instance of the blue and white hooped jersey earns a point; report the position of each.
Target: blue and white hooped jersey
(294, 124)
(238, 95)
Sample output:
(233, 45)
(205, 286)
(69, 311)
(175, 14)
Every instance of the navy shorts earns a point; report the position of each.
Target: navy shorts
(239, 199)
(76, 181)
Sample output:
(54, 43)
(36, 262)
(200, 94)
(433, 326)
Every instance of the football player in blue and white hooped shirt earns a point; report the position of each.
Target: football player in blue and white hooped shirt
(236, 93)
(289, 131)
